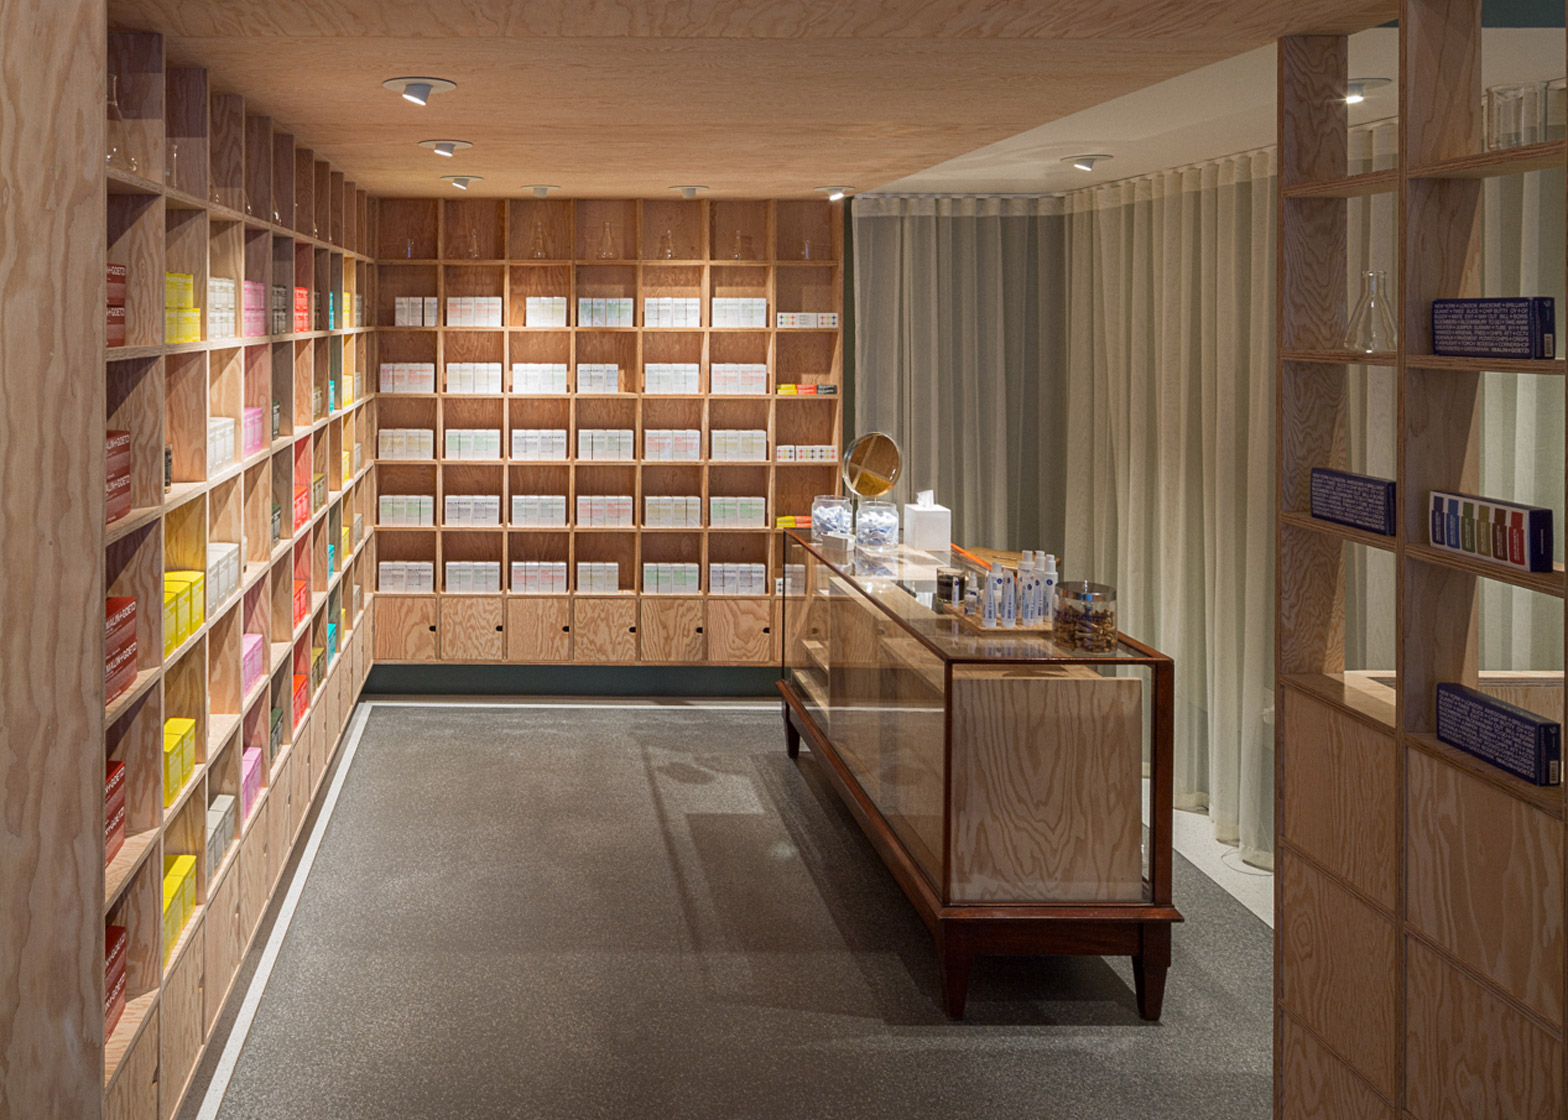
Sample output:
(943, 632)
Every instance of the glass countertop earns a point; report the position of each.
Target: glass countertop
(903, 585)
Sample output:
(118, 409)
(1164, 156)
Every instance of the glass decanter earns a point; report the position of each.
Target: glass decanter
(607, 250)
(119, 154)
(1371, 328)
(539, 250)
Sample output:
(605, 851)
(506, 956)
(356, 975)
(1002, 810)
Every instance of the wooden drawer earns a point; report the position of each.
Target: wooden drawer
(278, 797)
(225, 943)
(134, 1094)
(405, 627)
(252, 871)
(183, 1028)
(670, 630)
(538, 628)
(604, 630)
(471, 628)
(742, 630)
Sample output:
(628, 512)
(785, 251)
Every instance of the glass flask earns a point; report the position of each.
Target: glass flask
(667, 245)
(1371, 328)
(473, 243)
(538, 249)
(119, 153)
(607, 251)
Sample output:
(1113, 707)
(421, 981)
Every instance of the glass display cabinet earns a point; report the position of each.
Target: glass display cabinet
(1020, 793)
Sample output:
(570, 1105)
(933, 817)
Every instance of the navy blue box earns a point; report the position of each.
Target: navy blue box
(1523, 327)
(1503, 734)
(1357, 500)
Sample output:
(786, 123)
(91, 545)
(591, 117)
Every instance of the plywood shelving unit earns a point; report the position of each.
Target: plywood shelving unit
(788, 252)
(1419, 954)
(218, 192)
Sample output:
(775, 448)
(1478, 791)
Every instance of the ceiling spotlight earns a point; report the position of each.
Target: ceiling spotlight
(1356, 89)
(1086, 163)
(461, 181)
(690, 191)
(541, 189)
(418, 90)
(835, 193)
(445, 147)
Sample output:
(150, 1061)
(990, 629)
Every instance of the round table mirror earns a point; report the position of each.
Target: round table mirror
(872, 464)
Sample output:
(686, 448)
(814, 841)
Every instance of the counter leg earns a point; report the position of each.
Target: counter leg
(955, 957)
(1149, 968)
(791, 735)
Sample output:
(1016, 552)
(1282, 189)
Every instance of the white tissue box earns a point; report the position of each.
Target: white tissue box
(928, 528)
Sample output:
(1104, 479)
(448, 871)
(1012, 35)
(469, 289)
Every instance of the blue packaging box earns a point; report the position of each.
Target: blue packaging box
(1522, 327)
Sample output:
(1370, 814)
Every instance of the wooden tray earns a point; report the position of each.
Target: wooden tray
(972, 624)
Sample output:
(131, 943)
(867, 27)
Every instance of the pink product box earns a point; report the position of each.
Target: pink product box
(250, 779)
(252, 424)
(254, 309)
(252, 660)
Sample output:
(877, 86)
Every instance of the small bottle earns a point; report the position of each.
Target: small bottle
(168, 467)
(991, 600)
(1048, 589)
(1007, 609)
(1026, 599)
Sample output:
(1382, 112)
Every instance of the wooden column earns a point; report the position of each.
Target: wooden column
(51, 551)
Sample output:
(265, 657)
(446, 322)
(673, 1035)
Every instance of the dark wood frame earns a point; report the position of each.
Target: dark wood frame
(964, 931)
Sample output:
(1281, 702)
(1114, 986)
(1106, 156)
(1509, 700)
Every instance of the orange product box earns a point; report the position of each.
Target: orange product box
(301, 601)
(113, 810)
(116, 943)
(301, 696)
(117, 475)
(114, 276)
(301, 506)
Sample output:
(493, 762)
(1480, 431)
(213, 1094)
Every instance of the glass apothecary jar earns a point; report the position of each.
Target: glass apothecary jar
(832, 518)
(1085, 617)
(876, 526)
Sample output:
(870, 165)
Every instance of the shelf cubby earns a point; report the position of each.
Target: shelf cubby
(407, 229)
(136, 64)
(608, 546)
(187, 141)
(474, 229)
(303, 220)
(672, 229)
(185, 415)
(806, 231)
(135, 404)
(136, 242)
(603, 225)
(739, 230)
(258, 167)
(226, 147)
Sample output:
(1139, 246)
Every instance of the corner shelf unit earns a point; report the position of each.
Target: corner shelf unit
(1419, 948)
(787, 252)
(202, 187)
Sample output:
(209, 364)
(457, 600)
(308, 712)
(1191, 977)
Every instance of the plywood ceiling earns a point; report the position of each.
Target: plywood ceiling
(749, 97)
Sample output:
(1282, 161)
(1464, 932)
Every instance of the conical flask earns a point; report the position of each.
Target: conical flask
(1371, 328)
(119, 153)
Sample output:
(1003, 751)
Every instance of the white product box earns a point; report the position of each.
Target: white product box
(539, 377)
(406, 510)
(407, 575)
(927, 527)
(544, 311)
(539, 444)
(598, 377)
(406, 443)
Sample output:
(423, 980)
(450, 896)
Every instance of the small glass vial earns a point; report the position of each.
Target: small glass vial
(607, 250)
(667, 245)
(876, 527)
(1085, 617)
(540, 249)
(832, 517)
(473, 243)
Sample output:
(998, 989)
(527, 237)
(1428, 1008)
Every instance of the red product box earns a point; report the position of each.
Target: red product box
(301, 601)
(301, 697)
(119, 674)
(116, 944)
(113, 810)
(301, 506)
(117, 475)
(115, 328)
(301, 310)
(115, 275)
(119, 625)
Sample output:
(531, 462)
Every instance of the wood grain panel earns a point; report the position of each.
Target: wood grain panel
(280, 790)
(1312, 428)
(1470, 1055)
(1440, 87)
(52, 250)
(258, 166)
(226, 178)
(253, 871)
(1340, 798)
(1312, 110)
(1441, 612)
(1337, 968)
(670, 630)
(1315, 1085)
(1312, 263)
(134, 1094)
(405, 627)
(742, 630)
(1486, 881)
(224, 944)
(1538, 692)
(136, 240)
(538, 629)
(1044, 773)
(1443, 231)
(471, 628)
(182, 1026)
(603, 630)
(1311, 602)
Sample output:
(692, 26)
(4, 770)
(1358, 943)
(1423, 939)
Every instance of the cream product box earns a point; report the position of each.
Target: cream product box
(405, 443)
(539, 444)
(544, 311)
(538, 511)
(598, 578)
(408, 377)
(473, 509)
(407, 576)
(539, 377)
(478, 577)
(928, 527)
(222, 445)
(473, 377)
(661, 311)
(739, 314)
(473, 311)
(536, 577)
(598, 378)
(402, 511)
(671, 378)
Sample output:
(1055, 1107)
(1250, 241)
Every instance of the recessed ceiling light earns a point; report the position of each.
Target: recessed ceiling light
(1086, 163)
(1356, 89)
(461, 181)
(418, 90)
(835, 193)
(541, 189)
(445, 147)
(689, 190)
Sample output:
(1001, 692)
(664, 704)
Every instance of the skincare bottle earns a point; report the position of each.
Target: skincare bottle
(1026, 601)
(1048, 589)
(991, 599)
(1453, 523)
(1516, 539)
(1007, 610)
(1483, 531)
(1439, 531)
(1467, 527)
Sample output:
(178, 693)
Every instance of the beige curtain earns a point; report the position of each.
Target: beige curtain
(1170, 436)
(958, 354)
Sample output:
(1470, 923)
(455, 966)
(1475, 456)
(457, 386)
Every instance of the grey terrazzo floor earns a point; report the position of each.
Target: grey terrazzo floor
(544, 913)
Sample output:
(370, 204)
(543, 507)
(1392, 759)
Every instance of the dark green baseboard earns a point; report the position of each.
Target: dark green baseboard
(573, 680)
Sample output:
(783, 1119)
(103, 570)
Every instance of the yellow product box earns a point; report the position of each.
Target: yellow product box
(178, 584)
(179, 756)
(171, 909)
(171, 616)
(786, 523)
(171, 325)
(190, 324)
(198, 598)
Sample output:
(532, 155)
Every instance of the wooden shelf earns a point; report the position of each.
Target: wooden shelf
(1546, 583)
(195, 782)
(1350, 186)
(1548, 799)
(1551, 367)
(1333, 529)
(1340, 357)
(133, 852)
(126, 1033)
(1487, 165)
(1354, 694)
(123, 702)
